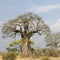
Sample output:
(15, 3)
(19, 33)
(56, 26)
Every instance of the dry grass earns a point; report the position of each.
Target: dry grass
(29, 58)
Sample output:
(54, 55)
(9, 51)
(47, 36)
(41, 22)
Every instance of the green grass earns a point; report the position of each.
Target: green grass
(9, 56)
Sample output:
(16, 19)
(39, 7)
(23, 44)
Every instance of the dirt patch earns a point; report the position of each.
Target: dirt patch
(0, 58)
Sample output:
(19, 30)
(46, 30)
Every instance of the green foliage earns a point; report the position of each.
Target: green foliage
(45, 58)
(9, 56)
(31, 42)
(52, 44)
(18, 42)
(9, 49)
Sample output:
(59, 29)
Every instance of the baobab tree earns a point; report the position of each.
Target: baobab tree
(25, 25)
(53, 40)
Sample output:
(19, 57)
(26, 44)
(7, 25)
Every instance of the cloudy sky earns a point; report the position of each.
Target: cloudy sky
(49, 10)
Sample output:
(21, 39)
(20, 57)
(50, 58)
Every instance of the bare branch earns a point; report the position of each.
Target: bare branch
(26, 24)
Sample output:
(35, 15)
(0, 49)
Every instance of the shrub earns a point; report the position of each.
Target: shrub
(9, 56)
(36, 53)
(49, 52)
(45, 58)
(45, 52)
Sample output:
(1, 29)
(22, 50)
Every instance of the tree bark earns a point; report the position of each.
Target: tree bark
(25, 46)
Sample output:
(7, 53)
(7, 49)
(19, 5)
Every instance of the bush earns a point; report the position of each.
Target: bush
(45, 58)
(36, 53)
(49, 52)
(9, 56)
(46, 52)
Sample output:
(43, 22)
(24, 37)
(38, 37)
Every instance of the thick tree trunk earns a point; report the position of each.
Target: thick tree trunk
(25, 46)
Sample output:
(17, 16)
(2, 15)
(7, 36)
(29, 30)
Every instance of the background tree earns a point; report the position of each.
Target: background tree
(25, 25)
(53, 40)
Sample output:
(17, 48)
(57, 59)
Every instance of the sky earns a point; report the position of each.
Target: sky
(49, 10)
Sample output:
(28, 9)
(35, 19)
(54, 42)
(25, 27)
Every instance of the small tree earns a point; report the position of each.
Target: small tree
(17, 44)
(53, 40)
(25, 25)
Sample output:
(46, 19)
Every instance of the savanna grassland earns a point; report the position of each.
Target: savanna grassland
(29, 58)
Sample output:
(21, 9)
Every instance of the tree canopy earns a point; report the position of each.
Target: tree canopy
(53, 40)
(25, 24)
(19, 42)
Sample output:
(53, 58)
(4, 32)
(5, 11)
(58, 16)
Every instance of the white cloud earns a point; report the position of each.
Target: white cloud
(43, 9)
(56, 26)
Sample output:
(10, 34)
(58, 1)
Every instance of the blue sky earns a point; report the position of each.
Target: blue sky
(49, 10)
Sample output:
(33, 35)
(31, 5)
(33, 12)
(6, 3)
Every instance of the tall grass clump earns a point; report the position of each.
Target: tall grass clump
(9, 56)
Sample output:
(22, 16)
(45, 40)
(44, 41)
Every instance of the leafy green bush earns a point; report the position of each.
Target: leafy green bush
(9, 56)
(45, 58)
